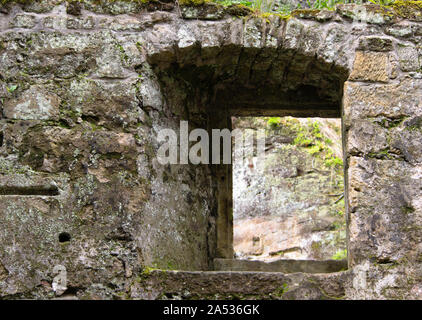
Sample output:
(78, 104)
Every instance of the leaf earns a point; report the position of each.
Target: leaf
(12, 88)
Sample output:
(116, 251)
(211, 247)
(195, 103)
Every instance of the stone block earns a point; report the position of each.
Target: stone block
(408, 58)
(370, 66)
(366, 137)
(374, 43)
(80, 23)
(128, 24)
(36, 103)
(25, 21)
(384, 204)
(389, 100)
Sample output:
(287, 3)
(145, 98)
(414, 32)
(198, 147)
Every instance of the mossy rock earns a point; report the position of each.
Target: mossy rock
(239, 10)
(201, 9)
(313, 14)
(194, 3)
(411, 10)
(370, 13)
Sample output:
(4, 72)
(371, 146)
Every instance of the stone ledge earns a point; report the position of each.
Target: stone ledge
(160, 284)
(285, 266)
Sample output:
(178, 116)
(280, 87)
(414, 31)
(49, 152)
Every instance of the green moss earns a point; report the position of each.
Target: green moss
(333, 162)
(193, 3)
(408, 9)
(239, 10)
(385, 154)
(281, 291)
(146, 271)
(414, 124)
(171, 266)
(124, 56)
(389, 123)
(340, 255)
(305, 13)
(265, 15)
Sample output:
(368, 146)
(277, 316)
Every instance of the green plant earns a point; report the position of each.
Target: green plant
(302, 140)
(334, 162)
(316, 131)
(340, 212)
(263, 5)
(12, 88)
(273, 122)
(340, 255)
(259, 6)
(383, 2)
(246, 3)
(324, 4)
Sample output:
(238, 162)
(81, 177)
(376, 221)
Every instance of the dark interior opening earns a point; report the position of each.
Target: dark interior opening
(64, 237)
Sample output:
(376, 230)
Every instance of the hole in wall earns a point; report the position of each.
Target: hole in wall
(64, 237)
(40, 190)
(289, 203)
(90, 118)
(1, 139)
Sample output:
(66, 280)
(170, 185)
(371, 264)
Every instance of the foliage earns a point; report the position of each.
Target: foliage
(263, 5)
(12, 88)
(273, 122)
(268, 6)
(323, 4)
(340, 212)
(340, 255)
(333, 162)
(247, 3)
(308, 137)
(383, 2)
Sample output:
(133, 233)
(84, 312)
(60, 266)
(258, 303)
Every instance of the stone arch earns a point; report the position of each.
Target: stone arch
(258, 62)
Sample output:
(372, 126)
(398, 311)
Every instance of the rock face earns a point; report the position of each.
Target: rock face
(292, 208)
(85, 88)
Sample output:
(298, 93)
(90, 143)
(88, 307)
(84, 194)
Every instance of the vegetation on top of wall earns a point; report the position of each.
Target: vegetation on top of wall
(401, 8)
(407, 9)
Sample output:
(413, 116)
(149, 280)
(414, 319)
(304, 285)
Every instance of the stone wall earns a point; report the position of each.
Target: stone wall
(85, 86)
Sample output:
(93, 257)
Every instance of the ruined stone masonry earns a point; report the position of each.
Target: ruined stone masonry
(85, 87)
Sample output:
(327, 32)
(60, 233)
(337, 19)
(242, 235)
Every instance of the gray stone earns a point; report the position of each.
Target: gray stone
(84, 23)
(408, 58)
(25, 21)
(34, 104)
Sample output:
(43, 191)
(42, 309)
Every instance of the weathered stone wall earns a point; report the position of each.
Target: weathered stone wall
(80, 112)
(85, 87)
